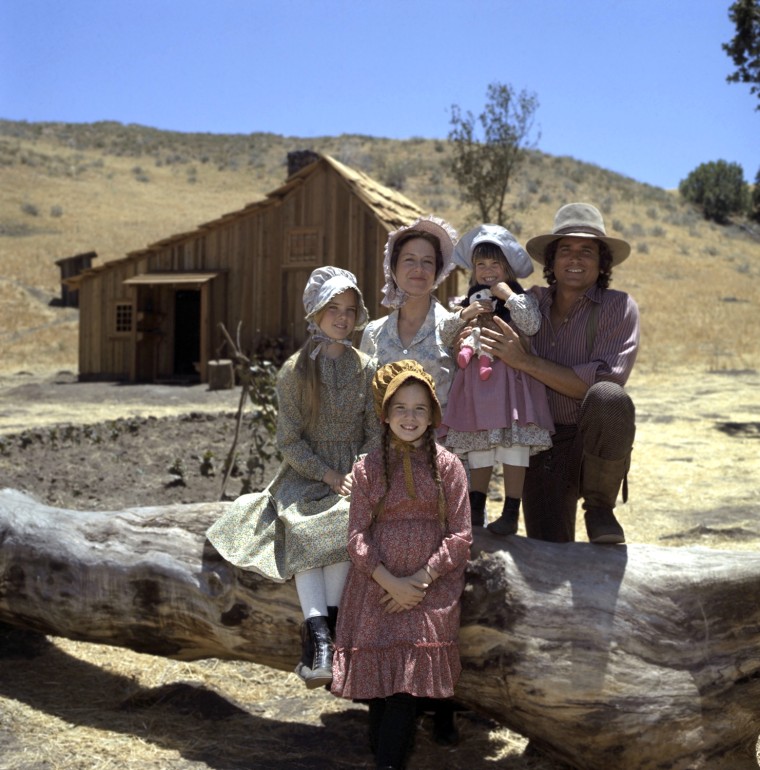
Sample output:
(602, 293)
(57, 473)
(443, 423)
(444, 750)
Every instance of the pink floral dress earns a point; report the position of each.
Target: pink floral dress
(415, 651)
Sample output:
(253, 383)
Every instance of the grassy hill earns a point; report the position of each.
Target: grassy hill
(111, 188)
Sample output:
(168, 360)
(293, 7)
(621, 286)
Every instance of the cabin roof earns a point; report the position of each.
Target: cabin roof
(390, 207)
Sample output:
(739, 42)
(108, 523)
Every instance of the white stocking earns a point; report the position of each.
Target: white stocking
(335, 578)
(310, 585)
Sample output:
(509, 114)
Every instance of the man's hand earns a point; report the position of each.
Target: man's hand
(505, 344)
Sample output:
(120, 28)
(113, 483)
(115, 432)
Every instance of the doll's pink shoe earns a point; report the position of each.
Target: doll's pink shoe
(464, 357)
(485, 368)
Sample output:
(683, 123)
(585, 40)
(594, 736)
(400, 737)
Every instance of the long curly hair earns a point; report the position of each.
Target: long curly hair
(308, 368)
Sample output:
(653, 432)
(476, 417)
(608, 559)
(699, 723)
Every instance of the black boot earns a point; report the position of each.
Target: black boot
(321, 666)
(445, 732)
(396, 734)
(506, 524)
(303, 667)
(478, 508)
(376, 713)
(332, 624)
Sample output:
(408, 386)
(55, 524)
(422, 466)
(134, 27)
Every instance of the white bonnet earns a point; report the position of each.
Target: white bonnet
(515, 254)
(327, 282)
(447, 237)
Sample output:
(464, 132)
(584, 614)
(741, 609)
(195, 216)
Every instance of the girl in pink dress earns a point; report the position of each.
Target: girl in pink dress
(409, 539)
(495, 414)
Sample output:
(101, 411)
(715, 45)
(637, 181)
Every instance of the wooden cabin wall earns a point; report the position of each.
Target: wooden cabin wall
(104, 354)
(255, 288)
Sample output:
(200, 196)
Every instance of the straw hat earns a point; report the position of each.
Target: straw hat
(579, 220)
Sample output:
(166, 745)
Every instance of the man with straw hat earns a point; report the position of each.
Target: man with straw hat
(583, 353)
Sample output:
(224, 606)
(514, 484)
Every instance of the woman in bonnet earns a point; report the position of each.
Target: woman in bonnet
(418, 257)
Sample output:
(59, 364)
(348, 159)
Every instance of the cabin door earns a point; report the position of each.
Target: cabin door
(187, 333)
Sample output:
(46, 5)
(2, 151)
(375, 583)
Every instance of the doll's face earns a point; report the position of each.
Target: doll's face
(410, 412)
(338, 318)
(483, 295)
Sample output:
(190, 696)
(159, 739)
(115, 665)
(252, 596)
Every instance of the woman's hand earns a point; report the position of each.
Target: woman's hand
(339, 483)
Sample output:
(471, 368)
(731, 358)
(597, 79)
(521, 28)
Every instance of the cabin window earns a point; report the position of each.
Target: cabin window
(303, 247)
(123, 315)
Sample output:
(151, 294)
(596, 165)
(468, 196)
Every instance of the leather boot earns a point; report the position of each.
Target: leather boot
(600, 484)
(303, 667)
(478, 509)
(506, 524)
(321, 666)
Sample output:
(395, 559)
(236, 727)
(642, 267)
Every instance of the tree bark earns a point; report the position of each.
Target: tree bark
(605, 656)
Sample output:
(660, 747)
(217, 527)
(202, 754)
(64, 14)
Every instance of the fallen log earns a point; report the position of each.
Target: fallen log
(605, 656)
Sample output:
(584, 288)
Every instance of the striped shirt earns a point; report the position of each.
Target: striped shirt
(614, 349)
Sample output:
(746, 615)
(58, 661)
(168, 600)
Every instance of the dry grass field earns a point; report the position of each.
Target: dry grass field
(695, 478)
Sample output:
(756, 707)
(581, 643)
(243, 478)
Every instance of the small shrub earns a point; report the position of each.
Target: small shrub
(30, 209)
(56, 211)
(642, 247)
(718, 188)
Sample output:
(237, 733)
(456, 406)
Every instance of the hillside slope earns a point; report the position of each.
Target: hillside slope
(110, 188)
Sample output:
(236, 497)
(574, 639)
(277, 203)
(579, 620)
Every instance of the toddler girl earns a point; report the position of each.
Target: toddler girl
(409, 541)
(495, 413)
(298, 525)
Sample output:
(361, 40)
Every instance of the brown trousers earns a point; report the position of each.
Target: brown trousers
(554, 481)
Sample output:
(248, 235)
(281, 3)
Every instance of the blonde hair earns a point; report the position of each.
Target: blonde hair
(308, 368)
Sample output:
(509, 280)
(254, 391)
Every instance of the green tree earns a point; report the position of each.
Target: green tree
(718, 188)
(754, 208)
(744, 49)
(488, 149)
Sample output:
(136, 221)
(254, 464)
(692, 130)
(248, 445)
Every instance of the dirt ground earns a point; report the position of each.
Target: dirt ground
(695, 480)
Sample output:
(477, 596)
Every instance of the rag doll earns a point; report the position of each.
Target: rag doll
(471, 343)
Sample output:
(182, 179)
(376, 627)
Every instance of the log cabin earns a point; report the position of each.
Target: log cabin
(155, 314)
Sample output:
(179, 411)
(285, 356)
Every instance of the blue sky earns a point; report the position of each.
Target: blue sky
(636, 86)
